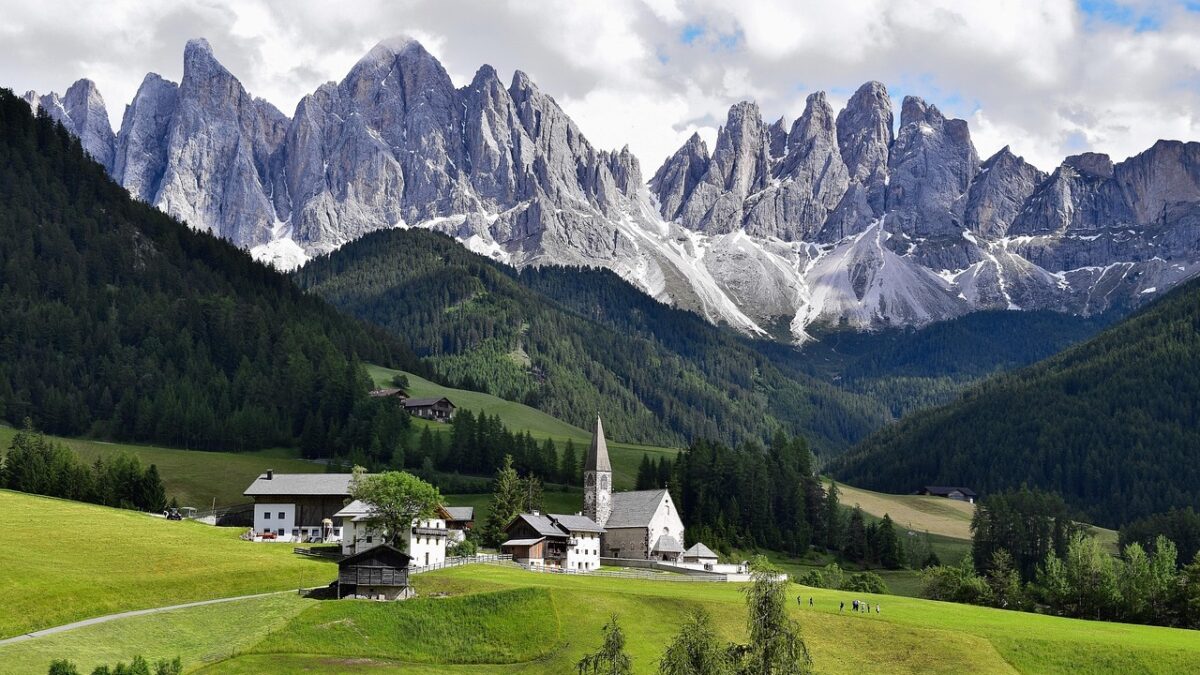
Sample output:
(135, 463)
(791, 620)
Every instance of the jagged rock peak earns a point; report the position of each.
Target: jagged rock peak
(198, 54)
(777, 138)
(82, 112)
(999, 193)
(395, 45)
(1095, 164)
(915, 109)
(522, 82)
(485, 75)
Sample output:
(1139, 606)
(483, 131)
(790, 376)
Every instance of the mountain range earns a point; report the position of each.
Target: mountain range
(836, 219)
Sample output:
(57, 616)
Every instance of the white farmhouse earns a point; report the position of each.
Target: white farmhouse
(426, 539)
(298, 507)
(569, 542)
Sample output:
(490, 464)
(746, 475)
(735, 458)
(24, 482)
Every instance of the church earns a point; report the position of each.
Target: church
(642, 524)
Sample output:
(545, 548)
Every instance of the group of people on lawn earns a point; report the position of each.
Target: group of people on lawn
(857, 605)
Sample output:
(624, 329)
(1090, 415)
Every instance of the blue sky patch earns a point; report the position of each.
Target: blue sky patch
(1129, 16)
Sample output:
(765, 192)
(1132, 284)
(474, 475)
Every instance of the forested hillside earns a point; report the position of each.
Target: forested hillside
(1113, 425)
(574, 342)
(908, 369)
(120, 322)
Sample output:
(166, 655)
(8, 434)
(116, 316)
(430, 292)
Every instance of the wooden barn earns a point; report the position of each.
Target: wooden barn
(439, 409)
(379, 573)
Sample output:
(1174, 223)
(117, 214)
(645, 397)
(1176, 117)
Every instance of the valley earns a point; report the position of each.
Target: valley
(460, 390)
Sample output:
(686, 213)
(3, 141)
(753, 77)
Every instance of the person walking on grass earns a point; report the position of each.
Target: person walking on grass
(842, 606)
(855, 605)
(810, 602)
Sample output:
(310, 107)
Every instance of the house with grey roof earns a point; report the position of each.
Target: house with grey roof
(317, 507)
(699, 554)
(569, 542)
(641, 524)
(425, 543)
(462, 519)
(439, 409)
(298, 507)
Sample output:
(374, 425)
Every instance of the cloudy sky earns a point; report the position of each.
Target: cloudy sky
(1048, 77)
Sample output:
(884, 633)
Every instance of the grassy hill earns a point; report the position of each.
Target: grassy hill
(934, 515)
(64, 561)
(503, 620)
(193, 477)
(519, 417)
(1111, 425)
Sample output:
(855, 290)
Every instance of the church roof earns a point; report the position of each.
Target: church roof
(597, 456)
(576, 523)
(634, 509)
(667, 544)
(699, 550)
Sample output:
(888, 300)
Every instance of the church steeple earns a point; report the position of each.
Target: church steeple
(597, 478)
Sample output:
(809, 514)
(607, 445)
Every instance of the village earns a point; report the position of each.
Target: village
(635, 530)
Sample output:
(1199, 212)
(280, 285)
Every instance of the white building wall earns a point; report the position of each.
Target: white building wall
(276, 518)
(424, 549)
(427, 549)
(585, 555)
(666, 521)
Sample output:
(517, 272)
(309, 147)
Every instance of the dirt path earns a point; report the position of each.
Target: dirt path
(125, 615)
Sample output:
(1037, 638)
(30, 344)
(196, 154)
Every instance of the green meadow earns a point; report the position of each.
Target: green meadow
(490, 619)
(64, 561)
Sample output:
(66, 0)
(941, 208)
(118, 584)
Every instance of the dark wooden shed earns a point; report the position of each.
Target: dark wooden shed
(378, 573)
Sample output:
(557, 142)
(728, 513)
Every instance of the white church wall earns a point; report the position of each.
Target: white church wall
(666, 521)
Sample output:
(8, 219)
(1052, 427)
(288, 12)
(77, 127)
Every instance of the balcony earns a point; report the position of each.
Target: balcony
(430, 531)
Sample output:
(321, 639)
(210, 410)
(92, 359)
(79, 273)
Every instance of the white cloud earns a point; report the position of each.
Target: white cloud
(1041, 76)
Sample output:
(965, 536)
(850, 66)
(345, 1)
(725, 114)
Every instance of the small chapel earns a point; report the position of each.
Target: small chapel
(641, 524)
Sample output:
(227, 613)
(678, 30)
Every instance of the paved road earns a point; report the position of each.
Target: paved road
(126, 615)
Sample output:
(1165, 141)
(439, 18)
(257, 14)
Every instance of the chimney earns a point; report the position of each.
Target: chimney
(536, 512)
(270, 474)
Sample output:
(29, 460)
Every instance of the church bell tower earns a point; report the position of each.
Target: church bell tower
(597, 479)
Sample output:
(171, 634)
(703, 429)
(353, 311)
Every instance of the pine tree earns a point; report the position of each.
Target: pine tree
(508, 497)
(664, 472)
(888, 549)
(647, 475)
(856, 537)
(532, 493)
(569, 470)
(832, 516)
(153, 494)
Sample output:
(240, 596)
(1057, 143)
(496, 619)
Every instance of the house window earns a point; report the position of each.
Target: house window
(279, 531)
(281, 516)
(295, 532)
(368, 538)
(266, 515)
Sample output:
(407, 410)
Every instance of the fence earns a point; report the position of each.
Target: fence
(485, 558)
(332, 553)
(236, 515)
(629, 573)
